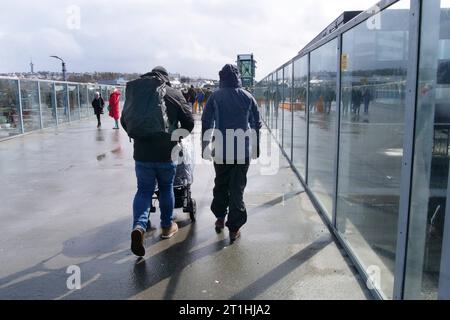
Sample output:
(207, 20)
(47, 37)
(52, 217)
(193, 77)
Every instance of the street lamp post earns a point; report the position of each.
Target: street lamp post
(63, 66)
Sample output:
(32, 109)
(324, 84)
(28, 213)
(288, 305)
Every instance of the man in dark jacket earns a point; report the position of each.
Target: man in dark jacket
(208, 94)
(98, 104)
(367, 97)
(191, 95)
(154, 164)
(357, 99)
(231, 110)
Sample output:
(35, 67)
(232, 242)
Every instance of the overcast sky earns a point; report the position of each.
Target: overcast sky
(191, 37)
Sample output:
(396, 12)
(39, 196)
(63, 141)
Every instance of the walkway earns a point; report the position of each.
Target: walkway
(66, 198)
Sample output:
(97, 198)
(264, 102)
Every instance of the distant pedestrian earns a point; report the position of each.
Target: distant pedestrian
(231, 108)
(185, 93)
(200, 99)
(191, 96)
(208, 94)
(328, 98)
(98, 104)
(357, 99)
(367, 99)
(346, 100)
(114, 107)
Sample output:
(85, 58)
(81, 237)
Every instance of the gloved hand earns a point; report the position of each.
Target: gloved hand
(258, 147)
(206, 151)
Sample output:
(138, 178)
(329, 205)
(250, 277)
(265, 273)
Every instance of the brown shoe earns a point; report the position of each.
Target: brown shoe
(220, 225)
(168, 233)
(235, 235)
(137, 242)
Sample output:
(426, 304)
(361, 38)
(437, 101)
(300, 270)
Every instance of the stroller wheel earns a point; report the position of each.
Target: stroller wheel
(193, 211)
(152, 209)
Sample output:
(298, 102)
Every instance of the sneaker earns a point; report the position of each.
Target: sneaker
(168, 233)
(220, 225)
(235, 235)
(137, 242)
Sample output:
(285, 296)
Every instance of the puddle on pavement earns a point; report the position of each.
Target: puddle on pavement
(100, 137)
(118, 152)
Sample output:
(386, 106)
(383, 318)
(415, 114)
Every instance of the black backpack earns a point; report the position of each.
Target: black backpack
(145, 112)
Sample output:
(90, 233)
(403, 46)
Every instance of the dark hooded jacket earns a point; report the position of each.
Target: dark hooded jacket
(98, 105)
(158, 147)
(232, 108)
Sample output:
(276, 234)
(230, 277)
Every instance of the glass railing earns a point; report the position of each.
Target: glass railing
(29, 105)
(344, 131)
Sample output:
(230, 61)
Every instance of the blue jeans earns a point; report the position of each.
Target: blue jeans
(148, 176)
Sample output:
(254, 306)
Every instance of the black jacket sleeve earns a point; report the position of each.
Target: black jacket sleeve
(180, 109)
(256, 124)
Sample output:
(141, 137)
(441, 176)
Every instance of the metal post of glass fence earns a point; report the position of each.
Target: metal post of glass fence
(337, 141)
(19, 95)
(87, 101)
(282, 93)
(408, 150)
(79, 100)
(308, 87)
(41, 121)
(55, 101)
(444, 278)
(292, 111)
(68, 102)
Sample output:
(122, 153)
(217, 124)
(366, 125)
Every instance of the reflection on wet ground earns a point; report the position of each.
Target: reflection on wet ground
(82, 217)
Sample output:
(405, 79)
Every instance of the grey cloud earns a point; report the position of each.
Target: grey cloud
(193, 37)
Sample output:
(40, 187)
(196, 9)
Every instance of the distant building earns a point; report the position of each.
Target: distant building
(247, 67)
(116, 82)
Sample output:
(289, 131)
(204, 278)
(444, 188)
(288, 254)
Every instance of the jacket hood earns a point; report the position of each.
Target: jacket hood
(159, 72)
(230, 77)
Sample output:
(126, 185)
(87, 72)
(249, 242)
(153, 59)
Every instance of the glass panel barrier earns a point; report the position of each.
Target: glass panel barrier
(73, 103)
(84, 101)
(432, 155)
(61, 103)
(10, 124)
(371, 139)
(287, 109)
(322, 123)
(259, 96)
(300, 114)
(279, 106)
(268, 102)
(273, 94)
(30, 105)
(48, 105)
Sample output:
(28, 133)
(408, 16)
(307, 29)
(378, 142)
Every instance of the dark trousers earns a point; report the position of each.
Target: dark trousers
(99, 119)
(366, 107)
(230, 184)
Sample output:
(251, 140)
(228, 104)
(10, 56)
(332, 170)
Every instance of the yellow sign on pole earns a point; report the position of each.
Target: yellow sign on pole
(344, 62)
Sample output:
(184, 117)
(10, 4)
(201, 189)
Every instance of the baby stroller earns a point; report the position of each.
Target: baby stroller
(184, 179)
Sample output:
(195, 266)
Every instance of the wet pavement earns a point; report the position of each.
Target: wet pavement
(66, 201)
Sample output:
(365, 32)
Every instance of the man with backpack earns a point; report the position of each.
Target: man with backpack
(232, 114)
(191, 96)
(152, 111)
